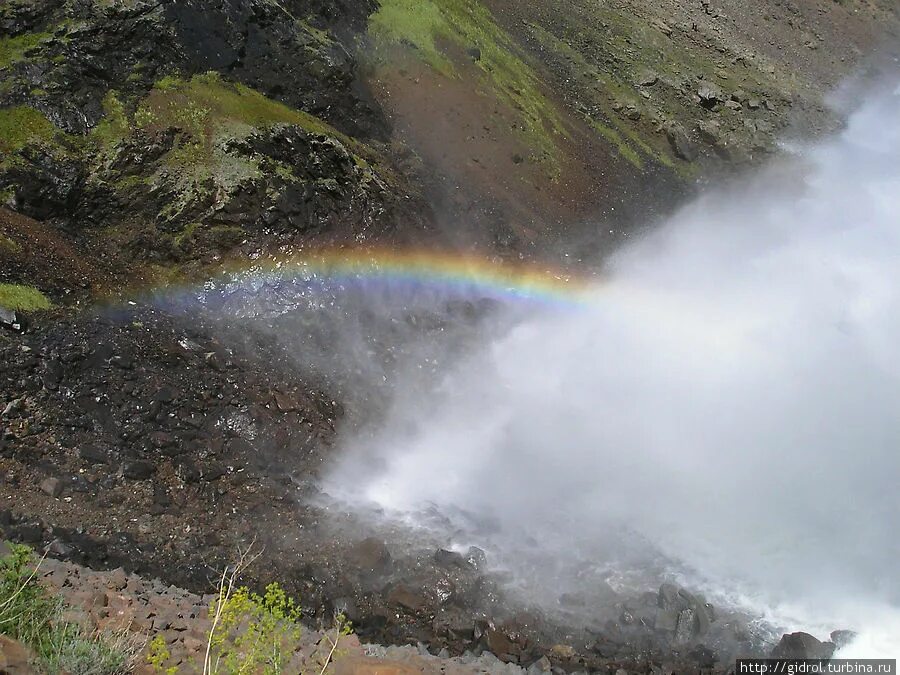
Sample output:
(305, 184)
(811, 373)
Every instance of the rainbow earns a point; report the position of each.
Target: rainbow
(451, 274)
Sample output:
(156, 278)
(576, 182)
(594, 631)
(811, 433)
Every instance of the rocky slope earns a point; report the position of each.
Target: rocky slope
(146, 143)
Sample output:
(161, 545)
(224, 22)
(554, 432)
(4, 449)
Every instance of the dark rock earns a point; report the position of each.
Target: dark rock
(454, 622)
(684, 616)
(286, 403)
(681, 144)
(449, 559)
(704, 657)
(52, 487)
(12, 408)
(165, 395)
(213, 472)
(504, 645)
(13, 320)
(187, 471)
(28, 533)
(92, 454)
(710, 132)
(138, 469)
(371, 557)
(646, 78)
(802, 646)
(539, 667)
(685, 627)
(710, 94)
(60, 549)
(476, 558)
(414, 601)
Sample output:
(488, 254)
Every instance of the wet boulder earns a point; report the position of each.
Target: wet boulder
(13, 320)
(454, 623)
(683, 147)
(710, 95)
(802, 646)
(371, 558)
(682, 616)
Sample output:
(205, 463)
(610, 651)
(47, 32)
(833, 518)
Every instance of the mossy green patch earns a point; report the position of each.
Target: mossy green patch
(15, 49)
(210, 114)
(206, 104)
(442, 31)
(115, 124)
(8, 245)
(634, 146)
(23, 298)
(21, 125)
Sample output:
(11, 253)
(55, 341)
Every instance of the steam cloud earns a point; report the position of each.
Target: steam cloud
(730, 396)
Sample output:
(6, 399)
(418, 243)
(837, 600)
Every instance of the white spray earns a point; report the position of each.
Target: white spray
(731, 395)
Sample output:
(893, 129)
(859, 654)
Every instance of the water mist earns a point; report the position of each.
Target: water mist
(728, 400)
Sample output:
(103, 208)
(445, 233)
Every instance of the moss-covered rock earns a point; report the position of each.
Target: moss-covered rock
(446, 33)
(23, 298)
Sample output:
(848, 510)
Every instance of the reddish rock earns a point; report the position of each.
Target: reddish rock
(367, 666)
(15, 658)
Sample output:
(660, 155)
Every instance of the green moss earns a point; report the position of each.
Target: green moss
(24, 298)
(186, 233)
(441, 31)
(616, 139)
(21, 125)
(15, 49)
(210, 113)
(8, 245)
(628, 142)
(115, 124)
(206, 103)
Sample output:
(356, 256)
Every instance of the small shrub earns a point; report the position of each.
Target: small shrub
(157, 655)
(252, 633)
(29, 614)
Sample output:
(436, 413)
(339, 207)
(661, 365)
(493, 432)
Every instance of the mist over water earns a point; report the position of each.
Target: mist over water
(724, 408)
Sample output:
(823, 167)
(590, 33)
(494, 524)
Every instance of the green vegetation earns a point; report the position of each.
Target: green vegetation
(206, 104)
(23, 298)
(157, 655)
(21, 125)
(115, 125)
(15, 49)
(250, 633)
(253, 632)
(30, 614)
(443, 31)
(210, 113)
(7, 244)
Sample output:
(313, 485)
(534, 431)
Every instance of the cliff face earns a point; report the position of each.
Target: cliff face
(147, 142)
(541, 115)
(168, 132)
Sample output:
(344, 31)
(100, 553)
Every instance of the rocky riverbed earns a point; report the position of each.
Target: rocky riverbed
(149, 147)
(146, 440)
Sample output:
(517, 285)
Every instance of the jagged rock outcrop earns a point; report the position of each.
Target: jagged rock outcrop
(182, 128)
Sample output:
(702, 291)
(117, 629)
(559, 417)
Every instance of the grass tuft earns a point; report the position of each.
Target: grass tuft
(21, 125)
(23, 298)
(15, 49)
(29, 614)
